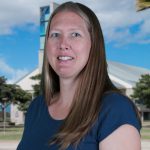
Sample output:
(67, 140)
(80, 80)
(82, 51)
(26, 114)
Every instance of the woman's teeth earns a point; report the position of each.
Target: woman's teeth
(64, 58)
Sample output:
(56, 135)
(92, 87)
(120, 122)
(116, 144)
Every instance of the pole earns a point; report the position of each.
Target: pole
(4, 123)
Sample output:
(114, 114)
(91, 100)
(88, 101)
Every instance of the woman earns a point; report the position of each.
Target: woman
(79, 107)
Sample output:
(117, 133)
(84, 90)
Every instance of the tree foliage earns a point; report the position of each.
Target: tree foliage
(22, 98)
(12, 93)
(7, 92)
(141, 92)
(36, 87)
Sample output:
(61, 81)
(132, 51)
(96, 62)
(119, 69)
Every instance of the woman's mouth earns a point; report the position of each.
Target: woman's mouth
(64, 58)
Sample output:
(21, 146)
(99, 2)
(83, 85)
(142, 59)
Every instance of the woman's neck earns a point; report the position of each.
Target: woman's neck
(67, 91)
(63, 100)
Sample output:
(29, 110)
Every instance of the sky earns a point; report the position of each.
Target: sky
(126, 33)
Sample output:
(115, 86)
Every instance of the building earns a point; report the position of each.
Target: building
(45, 12)
(123, 76)
(26, 83)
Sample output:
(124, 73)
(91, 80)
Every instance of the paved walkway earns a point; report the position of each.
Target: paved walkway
(11, 145)
(8, 145)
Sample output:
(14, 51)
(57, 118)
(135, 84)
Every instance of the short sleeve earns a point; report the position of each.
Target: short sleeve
(116, 110)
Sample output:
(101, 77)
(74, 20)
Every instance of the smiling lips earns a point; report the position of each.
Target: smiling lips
(65, 58)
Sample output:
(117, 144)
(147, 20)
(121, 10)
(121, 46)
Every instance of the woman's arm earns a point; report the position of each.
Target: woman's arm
(126, 137)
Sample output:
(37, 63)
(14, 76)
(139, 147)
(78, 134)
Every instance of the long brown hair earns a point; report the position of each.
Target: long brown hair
(94, 81)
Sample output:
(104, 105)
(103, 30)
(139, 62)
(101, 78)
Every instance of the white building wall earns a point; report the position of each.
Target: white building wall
(41, 53)
(16, 116)
(129, 91)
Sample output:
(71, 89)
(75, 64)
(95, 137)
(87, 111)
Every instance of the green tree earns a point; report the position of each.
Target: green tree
(22, 99)
(12, 93)
(6, 93)
(36, 87)
(141, 92)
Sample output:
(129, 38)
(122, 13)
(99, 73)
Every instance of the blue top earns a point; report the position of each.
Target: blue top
(40, 127)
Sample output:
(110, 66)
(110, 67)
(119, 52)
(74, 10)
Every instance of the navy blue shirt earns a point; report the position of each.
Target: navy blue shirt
(40, 127)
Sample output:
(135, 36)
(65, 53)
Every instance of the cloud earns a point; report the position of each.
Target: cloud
(17, 13)
(113, 15)
(12, 74)
(118, 20)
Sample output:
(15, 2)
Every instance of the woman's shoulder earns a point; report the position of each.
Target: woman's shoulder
(37, 100)
(116, 110)
(117, 105)
(36, 104)
(115, 99)
(114, 94)
(35, 108)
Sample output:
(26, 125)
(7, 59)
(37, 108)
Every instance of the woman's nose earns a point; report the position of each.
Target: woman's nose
(64, 44)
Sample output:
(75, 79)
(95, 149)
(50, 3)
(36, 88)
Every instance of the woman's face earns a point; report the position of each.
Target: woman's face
(68, 44)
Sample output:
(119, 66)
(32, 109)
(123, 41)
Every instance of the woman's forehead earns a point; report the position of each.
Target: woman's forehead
(68, 17)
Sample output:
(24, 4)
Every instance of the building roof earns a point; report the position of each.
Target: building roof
(26, 82)
(127, 73)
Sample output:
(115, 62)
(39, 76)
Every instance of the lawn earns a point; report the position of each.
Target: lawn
(145, 133)
(13, 133)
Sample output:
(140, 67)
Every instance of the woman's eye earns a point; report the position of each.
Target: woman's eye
(54, 35)
(75, 34)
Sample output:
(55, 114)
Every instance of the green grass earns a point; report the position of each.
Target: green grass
(145, 133)
(11, 133)
(145, 130)
(15, 136)
(17, 129)
(145, 137)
